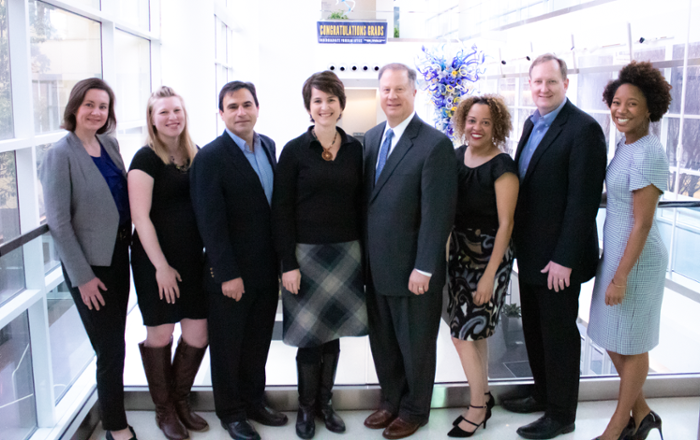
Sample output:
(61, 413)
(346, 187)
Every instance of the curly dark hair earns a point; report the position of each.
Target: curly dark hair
(654, 87)
(500, 117)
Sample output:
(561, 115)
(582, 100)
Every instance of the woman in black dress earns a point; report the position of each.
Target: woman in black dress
(481, 255)
(316, 207)
(167, 262)
(87, 209)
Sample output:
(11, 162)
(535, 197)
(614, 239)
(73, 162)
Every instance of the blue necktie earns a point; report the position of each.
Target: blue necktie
(383, 153)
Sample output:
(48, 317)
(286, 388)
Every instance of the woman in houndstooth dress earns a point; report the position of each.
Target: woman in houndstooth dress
(629, 286)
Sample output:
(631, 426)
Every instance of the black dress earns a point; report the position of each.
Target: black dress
(173, 218)
(471, 244)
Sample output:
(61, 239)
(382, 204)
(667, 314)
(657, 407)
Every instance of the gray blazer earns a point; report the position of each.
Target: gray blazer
(411, 208)
(81, 213)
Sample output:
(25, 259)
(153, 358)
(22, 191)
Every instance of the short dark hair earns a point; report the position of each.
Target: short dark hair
(234, 86)
(327, 82)
(500, 117)
(550, 57)
(76, 98)
(654, 87)
(399, 66)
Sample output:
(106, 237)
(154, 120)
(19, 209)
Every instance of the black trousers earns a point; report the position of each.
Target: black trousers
(553, 346)
(403, 337)
(105, 328)
(239, 341)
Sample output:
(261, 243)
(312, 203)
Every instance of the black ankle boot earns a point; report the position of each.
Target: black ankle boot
(308, 380)
(325, 392)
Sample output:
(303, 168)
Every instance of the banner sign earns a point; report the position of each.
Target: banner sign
(351, 32)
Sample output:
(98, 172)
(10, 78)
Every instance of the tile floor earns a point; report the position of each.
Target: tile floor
(679, 415)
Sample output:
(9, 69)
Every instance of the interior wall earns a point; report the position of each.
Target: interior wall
(360, 111)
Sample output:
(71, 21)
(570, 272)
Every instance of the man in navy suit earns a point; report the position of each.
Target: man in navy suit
(232, 179)
(411, 190)
(561, 158)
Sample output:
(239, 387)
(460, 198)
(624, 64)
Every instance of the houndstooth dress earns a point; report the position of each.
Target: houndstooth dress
(631, 327)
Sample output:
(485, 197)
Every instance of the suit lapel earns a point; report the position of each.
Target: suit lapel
(527, 130)
(548, 140)
(241, 163)
(400, 150)
(373, 146)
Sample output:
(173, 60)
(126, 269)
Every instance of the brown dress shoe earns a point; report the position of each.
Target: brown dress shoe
(400, 428)
(379, 419)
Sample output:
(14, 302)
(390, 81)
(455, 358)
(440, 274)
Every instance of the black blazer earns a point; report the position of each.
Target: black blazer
(559, 198)
(233, 215)
(411, 209)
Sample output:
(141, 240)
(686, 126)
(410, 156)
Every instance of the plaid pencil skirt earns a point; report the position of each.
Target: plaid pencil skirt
(331, 302)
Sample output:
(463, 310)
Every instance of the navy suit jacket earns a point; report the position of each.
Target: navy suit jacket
(233, 215)
(559, 198)
(411, 208)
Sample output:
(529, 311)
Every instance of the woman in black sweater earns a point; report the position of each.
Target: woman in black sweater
(316, 208)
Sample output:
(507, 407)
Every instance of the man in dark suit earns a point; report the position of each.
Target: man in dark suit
(561, 158)
(232, 181)
(411, 189)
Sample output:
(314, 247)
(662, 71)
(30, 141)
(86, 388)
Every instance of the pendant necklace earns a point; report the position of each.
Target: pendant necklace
(326, 155)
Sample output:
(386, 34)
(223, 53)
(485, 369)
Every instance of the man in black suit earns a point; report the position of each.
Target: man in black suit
(231, 188)
(411, 189)
(561, 158)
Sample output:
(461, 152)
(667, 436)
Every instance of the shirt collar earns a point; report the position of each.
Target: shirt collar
(241, 143)
(399, 129)
(549, 117)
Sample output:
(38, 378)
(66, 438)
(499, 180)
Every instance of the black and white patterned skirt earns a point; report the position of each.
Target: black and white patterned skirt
(470, 252)
(331, 302)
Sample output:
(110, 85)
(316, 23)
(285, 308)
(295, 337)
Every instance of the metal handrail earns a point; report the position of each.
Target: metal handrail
(6, 248)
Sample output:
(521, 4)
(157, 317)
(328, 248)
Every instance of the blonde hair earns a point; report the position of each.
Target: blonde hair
(185, 143)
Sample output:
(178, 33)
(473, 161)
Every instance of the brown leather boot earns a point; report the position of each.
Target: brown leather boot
(185, 366)
(156, 363)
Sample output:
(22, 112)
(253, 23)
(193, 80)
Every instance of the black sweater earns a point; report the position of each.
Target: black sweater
(316, 201)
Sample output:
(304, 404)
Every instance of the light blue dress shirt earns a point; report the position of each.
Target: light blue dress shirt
(541, 126)
(258, 160)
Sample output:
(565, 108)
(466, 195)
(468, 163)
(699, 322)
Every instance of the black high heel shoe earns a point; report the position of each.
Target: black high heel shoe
(490, 403)
(625, 434)
(458, 432)
(651, 421)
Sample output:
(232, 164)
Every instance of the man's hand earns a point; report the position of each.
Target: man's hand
(558, 278)
(292, 281)
(90, 293)
(233, 288)
(418, 283)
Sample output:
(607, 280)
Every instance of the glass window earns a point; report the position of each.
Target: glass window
(11, 277)
(604, 121)
(90, 3)
(65, 48)
(689, 182)
(6, 128)
(525, 94)
(9, 210)
(692, 91)
(71, 351)
(590, 90)
(133, 76)
(506, 88)
(17, 403)
(135, 12)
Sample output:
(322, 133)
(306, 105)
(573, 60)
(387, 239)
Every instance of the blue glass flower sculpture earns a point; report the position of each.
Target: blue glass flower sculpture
(449, 80)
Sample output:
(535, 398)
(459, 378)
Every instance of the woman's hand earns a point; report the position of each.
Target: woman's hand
(292, 281)
(484, 289)
(615, 292)
(90, 292)
(167, 279)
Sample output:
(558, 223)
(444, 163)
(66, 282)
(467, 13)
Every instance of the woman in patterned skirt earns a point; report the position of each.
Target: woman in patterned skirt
(316, 209)
(481, 255)
(629, 285)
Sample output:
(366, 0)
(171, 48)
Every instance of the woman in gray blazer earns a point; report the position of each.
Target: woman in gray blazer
(87, 209)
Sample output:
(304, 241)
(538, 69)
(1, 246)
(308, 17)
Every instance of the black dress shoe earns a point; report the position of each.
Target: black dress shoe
(524, 405)
(267, 416)
(241, 430)
(545, 428)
